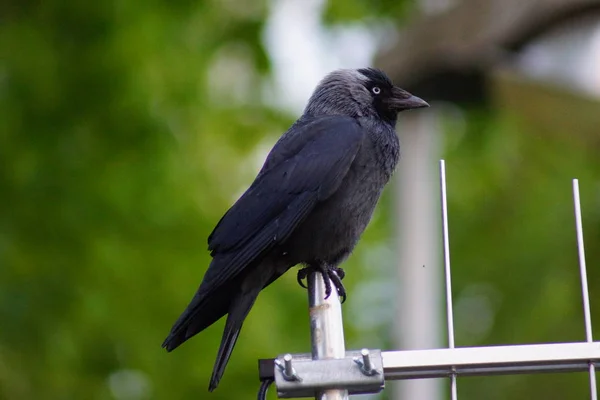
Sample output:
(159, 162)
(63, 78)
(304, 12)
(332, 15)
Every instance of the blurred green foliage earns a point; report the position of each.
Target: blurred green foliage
(128, 128)
(346, 11)
(115, 166)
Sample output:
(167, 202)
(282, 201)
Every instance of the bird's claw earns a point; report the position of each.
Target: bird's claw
(302, 274)
(334, 275)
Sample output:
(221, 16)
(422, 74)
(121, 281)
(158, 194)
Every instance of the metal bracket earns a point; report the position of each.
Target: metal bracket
(305, 377)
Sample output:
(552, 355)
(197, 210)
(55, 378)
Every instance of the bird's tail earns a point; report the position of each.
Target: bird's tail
(238, 311)
(203, 311)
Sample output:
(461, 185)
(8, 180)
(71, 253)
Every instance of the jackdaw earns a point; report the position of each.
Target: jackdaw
(309, 204)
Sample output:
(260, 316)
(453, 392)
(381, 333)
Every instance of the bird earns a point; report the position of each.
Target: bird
(308, 205)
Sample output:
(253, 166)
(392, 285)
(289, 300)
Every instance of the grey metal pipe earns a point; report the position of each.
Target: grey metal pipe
(490, 360)
(326, 329)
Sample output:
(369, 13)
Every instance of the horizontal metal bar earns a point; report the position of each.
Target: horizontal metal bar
(492, 360)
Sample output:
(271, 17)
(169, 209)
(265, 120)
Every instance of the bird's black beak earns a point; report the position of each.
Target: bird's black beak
(402, 100)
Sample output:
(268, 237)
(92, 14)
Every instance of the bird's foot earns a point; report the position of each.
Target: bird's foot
(330, 274)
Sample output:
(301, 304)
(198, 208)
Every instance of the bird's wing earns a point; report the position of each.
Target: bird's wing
(305, 167)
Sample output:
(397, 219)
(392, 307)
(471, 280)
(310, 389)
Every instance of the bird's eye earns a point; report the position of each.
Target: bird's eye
(376, 90)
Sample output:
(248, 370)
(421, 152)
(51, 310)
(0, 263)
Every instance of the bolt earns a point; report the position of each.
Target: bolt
(366, 359)
(287, 370)
(366, 366)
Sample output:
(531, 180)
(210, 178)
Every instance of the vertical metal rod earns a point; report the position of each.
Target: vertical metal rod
(326, 328)
(584, 283)
(447, 271)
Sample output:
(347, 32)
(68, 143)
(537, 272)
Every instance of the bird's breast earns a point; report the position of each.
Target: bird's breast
(334, 227)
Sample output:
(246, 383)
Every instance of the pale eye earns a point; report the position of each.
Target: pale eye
(376, 90)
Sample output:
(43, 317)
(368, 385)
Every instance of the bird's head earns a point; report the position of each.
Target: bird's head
(361, 93)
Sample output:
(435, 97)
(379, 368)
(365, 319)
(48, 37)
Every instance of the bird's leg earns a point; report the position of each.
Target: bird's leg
(330, 274)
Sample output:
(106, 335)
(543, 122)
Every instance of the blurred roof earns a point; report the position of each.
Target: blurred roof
(445, 56)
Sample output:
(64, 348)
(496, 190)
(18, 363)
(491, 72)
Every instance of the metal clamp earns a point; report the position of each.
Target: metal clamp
(307, 376)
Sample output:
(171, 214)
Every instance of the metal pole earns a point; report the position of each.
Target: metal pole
(326, 329)
(584, 284)
(419, 298)
(447, 271)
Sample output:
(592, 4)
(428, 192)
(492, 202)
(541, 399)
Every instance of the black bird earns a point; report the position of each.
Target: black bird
(309, 204)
